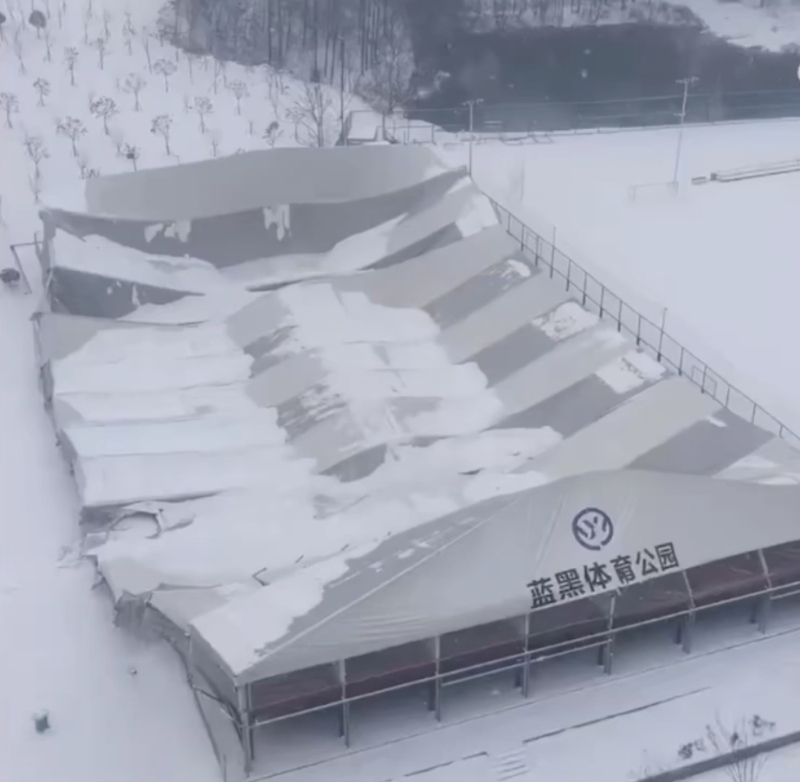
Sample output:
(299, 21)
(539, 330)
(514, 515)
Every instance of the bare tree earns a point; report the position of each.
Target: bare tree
(165, 68)
(107, 24)
(216, 139)
(203, 106)
(84, 166)
(239, 90)
(272, 133)
(117, 135)
(736, 741)
(36, 187)
(162, 125)
(48, 44)
(128, 33)
(3, 21)
(10, 105)
(42, 86)
(19, 50)
(71, 60)
(73, 129)
(104, 108)
(388, 82)
(295, 115)
(38, 20)
(132, 153)
(146, 45)
(276, 89)
(191, 59)
(736, 744)
(34, 146)
(134, 84)
(220, 69)
(87, 23)
(315, 113)
(101, 44)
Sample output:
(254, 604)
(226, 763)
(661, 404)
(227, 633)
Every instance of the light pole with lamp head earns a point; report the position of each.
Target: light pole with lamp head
(472, 103)
(685, 82)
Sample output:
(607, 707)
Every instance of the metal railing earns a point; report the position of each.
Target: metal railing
(650, 337)
(543, 117)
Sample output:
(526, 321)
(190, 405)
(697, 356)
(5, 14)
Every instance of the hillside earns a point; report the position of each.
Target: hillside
(771, 24)
(98, 89)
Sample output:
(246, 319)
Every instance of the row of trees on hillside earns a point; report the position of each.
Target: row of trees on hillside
(361, 45)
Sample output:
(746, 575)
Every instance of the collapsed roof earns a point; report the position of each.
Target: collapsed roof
(330, 349)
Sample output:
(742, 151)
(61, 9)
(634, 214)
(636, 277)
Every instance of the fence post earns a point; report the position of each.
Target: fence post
(619, 317)
(703, 380)
(680, 361)
(552, 259)
(569, 272)
(602, 299)
(538, 252)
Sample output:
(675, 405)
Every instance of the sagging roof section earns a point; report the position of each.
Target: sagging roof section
(479, 562)
(348, 408)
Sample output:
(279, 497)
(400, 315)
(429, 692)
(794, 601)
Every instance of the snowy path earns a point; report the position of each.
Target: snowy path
(59, 650)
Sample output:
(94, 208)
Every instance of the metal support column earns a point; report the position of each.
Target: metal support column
(190, 660)
(688, 621)
(764, 608)
(344, 714)
(437, 682)
(607, 649)
(246, 726)
(526, 659)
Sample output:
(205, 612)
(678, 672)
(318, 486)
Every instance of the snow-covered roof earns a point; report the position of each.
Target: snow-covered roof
(479, 563)
(280, 437)
(263, 245)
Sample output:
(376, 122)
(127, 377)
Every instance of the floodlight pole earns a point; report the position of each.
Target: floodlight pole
(685, 82)
(341, 87)
(472, 103)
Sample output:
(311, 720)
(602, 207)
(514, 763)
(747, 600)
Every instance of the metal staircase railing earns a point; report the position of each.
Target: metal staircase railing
(650, 337)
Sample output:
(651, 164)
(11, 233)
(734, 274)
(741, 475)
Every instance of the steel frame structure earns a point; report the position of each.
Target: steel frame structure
(247, 716)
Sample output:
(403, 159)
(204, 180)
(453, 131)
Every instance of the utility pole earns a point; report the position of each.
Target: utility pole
(689, 80)
(341, 90)
(472, 103)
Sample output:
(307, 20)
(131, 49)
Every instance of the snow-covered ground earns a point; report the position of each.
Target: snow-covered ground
(59, 650)
(720, 258)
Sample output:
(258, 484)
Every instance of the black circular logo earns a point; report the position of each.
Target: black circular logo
(593, 529)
